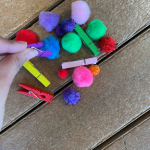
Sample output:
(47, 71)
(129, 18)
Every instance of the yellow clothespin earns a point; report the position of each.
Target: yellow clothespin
(30, 67)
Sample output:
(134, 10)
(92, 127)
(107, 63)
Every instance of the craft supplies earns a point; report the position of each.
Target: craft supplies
(71, 96)
(95, 70)
(30, 67)
(87, 40)
(77, 63)
(59, 31)
(48, 20)
(52, 44)
(80, 12)
(63, 73)
(96, 29)
(82, 77)
(41, 53)
(27, 35)
(107, 44)
(36, 45)
(71, 42)
(36, 93)
(69, 25)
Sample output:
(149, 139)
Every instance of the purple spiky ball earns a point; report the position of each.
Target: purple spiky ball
(71, 96)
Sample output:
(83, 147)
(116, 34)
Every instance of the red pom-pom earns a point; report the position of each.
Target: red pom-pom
(107, 44)
(27, 36)
(63, 73)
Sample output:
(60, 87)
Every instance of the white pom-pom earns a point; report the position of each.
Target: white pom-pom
(80, 12)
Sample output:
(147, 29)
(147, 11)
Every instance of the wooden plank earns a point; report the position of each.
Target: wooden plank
(125, 20)
(16, 14)
(118, 96)
(137, 138)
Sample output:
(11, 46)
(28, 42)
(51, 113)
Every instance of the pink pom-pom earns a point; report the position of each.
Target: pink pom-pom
(82, 77)
(80, 12)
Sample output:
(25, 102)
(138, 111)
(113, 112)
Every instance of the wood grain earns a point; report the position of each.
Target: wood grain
(118, 96)
(15, 14)
(121, 18)
(137, 138)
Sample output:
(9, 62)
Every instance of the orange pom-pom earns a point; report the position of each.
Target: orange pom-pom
(95, 70)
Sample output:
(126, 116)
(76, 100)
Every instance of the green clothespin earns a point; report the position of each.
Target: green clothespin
(86, 40)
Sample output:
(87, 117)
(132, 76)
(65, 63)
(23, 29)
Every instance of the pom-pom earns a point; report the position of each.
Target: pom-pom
(63, 73)
(27, 35)
(63, 21)
(96, 29)
(71, 42)
(71, 96)
(80, 12)
(52, 44)
(95, 70)
(107, 44)
(60, 31)
(69, 25)
(48, 20)
(82, 77)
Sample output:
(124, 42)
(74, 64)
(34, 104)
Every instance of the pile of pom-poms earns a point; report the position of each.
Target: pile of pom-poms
(71, 96)
(71, 42)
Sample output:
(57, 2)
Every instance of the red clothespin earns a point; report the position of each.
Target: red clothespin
(36, 93)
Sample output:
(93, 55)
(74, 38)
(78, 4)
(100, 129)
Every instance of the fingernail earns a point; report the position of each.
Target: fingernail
(31, 53)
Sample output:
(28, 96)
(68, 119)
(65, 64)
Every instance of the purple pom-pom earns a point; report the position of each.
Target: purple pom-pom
(71, 96)
(60, 31)
(63, 21)
(48, 20)
(69, 25)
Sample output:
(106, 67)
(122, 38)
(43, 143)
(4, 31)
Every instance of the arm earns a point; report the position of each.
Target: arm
(16, 54)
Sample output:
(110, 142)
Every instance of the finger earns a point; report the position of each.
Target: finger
(11, 64)
(10, 46)
(2, 109)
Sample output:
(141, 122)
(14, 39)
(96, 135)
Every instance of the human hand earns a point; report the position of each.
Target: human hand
(16, 54)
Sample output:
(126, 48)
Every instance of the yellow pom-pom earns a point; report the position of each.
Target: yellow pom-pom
(95, 70)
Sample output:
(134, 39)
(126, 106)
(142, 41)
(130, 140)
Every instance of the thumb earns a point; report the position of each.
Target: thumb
(11, 64)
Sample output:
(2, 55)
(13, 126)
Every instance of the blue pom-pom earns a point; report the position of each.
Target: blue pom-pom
(71, 96)
(60, 31)
(63, 21)
(69, 25)
(52, 44)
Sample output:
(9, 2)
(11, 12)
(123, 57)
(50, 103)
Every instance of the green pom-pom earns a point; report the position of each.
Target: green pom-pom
(96, 29)
(71, 42)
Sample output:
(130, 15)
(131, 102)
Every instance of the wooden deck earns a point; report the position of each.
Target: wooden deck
(119, 96)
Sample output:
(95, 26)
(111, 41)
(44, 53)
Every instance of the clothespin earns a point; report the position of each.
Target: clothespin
(86, 40)
(36, 93)
(41, 53)
(37, 47)
(30, 67)
(77, 63)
